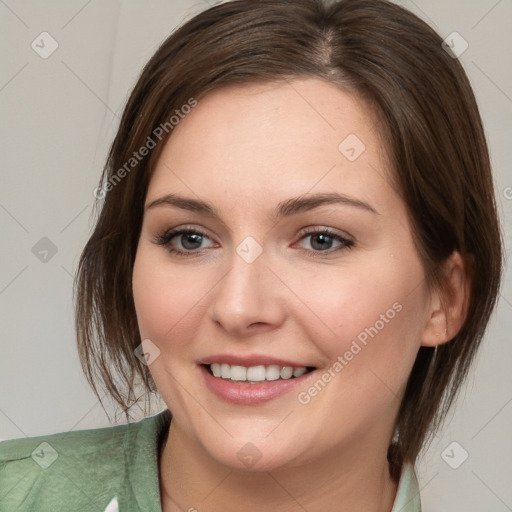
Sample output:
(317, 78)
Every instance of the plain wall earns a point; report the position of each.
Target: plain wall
(59, 119)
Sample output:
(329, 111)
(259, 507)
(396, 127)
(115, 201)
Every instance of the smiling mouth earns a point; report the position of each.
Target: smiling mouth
(255, 374)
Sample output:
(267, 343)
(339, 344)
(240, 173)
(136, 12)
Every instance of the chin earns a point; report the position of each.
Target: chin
(254, 457)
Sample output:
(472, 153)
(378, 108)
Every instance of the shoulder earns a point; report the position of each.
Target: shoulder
(85, 468)
(44, 470)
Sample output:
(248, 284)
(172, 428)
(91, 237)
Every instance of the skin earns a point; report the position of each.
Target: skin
(245, 149)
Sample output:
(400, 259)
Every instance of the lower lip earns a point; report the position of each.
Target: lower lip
(244, 393)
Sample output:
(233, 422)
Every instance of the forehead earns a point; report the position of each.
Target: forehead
(269, 141)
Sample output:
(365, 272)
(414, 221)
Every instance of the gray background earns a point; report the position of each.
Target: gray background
(60, 115)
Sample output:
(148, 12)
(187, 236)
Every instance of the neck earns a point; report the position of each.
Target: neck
(354, 478)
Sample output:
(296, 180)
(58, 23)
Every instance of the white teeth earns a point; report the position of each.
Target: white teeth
(225, 371)
(256, 373)
(297, 372)
(238, 373)
(286, 372)
(216, 370)
(273, 372)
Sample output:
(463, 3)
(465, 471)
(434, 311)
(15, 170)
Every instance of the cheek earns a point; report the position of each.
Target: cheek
(371, 316)
(348, 300)
(374, 318)
(167, 300)
(166, 296)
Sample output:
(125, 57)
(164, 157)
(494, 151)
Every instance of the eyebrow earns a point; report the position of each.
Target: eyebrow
(284, 209)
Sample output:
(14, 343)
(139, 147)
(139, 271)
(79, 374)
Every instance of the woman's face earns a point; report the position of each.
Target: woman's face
(259, 173)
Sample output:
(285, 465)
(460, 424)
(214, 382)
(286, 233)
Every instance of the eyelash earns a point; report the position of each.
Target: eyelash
(164, 239)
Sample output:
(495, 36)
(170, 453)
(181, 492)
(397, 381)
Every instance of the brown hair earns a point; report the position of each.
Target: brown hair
(431, 127)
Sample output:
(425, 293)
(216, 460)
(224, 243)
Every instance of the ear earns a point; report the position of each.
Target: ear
(448, 305)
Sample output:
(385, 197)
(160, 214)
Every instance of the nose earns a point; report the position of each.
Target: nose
(249, 299)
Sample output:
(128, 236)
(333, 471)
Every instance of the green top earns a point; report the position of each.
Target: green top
(111, 469)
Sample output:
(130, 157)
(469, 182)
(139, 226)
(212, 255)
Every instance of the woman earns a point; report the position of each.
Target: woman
(298, 250)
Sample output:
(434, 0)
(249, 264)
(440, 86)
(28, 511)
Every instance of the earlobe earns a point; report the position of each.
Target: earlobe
(449, 305)
(436, 329)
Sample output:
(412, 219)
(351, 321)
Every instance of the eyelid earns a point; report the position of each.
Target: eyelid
(346, 241)
(186, 227)
(164, 238)
(308, 230)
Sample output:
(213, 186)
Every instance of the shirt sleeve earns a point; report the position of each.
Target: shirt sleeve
(61, 472)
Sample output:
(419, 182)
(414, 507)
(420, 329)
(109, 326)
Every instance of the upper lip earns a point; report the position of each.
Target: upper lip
(250, 360)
